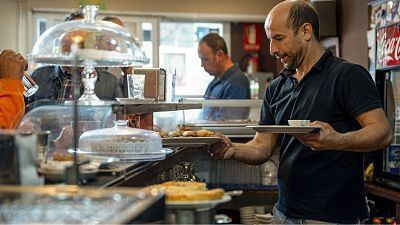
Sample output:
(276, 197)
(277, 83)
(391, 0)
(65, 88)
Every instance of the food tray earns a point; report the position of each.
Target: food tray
(190, 140)
(197, 204)
(286, 129)
(135, 100)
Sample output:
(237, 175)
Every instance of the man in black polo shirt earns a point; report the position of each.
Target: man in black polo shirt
(320, 175)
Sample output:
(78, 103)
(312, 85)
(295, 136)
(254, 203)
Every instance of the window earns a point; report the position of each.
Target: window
(168, 45)
(178, 50)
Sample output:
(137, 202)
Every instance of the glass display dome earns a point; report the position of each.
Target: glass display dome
(120, 140)
(58, 120)
(88, 42)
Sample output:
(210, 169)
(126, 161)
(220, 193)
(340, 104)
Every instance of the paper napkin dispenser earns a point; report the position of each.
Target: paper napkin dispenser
(154, 84)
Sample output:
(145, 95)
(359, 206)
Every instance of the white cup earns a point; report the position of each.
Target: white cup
(30, 87)
(299, 123)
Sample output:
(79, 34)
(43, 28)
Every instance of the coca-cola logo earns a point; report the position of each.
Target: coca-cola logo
(389, 46)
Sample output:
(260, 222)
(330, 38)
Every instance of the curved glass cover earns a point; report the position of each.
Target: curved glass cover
(58, 120)
(88, 42)
(120, 140)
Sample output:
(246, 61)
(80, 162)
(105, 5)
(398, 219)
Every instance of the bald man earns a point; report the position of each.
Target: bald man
(320, 175)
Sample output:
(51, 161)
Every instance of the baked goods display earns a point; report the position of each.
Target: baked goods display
(61, 156)
(120, 140)
(190, 191)
(186, 133)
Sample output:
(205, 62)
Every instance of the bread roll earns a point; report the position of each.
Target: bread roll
(163, 134)
(174, 133)
(204, 133)
(188, 133)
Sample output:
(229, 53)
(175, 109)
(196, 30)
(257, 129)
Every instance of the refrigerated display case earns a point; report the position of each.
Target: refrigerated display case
(387, 161)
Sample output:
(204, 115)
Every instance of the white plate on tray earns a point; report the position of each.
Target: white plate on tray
(135, 157)
(135, 100)
(286, 129)
(197, 204)
(191, 140)
(95, 158)
(87, 172)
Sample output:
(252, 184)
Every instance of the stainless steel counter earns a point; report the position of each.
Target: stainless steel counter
(75, 205)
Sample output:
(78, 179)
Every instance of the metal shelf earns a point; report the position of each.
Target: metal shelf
(153, 107)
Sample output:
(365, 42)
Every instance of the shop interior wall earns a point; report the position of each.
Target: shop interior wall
(238, 7)
(9, 24)
(353, 26)
(352, 20)
(14, 14)
(239, 55)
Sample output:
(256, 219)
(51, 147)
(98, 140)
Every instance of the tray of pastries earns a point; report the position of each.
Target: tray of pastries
(53, 169)
(177, 137)
(189, 195)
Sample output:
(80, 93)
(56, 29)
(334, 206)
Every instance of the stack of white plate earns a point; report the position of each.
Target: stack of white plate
(263, 218)
(247, 215)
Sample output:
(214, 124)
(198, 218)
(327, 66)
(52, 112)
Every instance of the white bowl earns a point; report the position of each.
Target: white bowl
(299, 123)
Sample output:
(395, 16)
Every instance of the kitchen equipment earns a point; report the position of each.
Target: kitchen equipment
(193, 212)
(19, 155)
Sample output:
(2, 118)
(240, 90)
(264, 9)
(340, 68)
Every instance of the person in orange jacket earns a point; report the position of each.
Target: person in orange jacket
(12, 106)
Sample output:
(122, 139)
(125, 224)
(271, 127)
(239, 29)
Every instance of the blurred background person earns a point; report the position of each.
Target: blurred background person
(119, 72)
(229, 81)
(12, 68)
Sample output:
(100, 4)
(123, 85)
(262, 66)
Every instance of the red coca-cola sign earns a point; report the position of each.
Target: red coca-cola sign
(388, 46)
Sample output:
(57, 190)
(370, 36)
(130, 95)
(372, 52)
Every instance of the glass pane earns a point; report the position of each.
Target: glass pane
(41, 27)
(147, 29)
(178, 50)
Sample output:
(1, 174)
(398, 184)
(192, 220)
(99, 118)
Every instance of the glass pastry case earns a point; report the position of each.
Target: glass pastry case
(75, 205)
(229, 117)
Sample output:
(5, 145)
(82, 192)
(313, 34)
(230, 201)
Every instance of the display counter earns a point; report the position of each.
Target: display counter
(77, 205)
(189, 161)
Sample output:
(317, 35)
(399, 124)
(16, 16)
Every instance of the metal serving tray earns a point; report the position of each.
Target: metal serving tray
(73, 205)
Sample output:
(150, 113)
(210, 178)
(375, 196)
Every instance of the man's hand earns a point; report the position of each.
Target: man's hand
(12, 65)
(327, 138)
(223, 149)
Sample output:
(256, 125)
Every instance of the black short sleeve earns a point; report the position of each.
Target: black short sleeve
(357, 91)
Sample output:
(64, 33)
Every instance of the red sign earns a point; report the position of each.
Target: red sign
(252, 36)
(388, 46)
